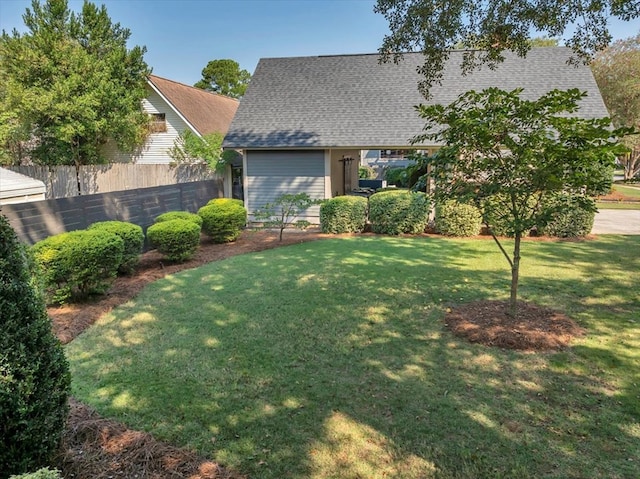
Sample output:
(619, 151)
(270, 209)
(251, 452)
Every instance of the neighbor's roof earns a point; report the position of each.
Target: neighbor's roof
(207, 112)
(13, 184)
(353, 101)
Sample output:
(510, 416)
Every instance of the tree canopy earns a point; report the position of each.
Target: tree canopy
(224, 77)
(521, 160)
(617, 72)
(492, 26)
(67, 85)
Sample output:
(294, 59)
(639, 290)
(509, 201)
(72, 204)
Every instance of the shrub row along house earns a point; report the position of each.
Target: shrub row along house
(304, 122)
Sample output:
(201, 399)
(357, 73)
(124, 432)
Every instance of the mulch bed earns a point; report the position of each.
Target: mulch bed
(98, 448)
(534, 328)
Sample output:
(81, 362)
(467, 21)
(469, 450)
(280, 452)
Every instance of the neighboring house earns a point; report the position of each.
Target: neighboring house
(174, 108)
(18, 188)
(303, 122)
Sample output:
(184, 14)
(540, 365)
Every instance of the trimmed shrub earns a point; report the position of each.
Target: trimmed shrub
(497, 214)
(179, 215)
(45, 473)
(395, 212)
(78, 263)
(223, 219)
(133, 239)
(571, 220)
(457, 219)
(225, 201)
(34, 374)
(176, 239)
(343, 214)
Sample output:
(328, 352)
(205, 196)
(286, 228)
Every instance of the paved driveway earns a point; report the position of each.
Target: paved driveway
(623, 222)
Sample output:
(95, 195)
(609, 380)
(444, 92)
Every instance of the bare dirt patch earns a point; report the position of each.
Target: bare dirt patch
(534, 329)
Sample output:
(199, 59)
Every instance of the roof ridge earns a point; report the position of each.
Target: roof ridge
(194, 87)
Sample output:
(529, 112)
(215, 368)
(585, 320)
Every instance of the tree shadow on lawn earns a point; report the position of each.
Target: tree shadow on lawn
(378, 389)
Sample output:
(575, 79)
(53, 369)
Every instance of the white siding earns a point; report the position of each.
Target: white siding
(272, 173)
(155, 149)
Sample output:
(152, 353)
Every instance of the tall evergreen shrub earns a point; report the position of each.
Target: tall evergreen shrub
(34, 374)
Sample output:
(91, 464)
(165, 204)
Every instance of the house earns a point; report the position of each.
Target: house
(174, 108)
(303, 122)
(19, 188)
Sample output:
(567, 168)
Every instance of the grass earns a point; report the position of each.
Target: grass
(632, 192)
(330, 360)
(611, 205)
(630, 199)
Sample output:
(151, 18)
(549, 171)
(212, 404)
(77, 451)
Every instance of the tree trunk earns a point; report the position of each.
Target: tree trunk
(515, 272)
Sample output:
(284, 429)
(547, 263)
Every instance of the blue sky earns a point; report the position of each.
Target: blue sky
(181, 36)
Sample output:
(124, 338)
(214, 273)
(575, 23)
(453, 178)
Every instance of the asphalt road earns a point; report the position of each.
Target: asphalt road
(623, 222)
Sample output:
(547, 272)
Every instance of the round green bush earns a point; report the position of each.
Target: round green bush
(176, 239)
(343, 214)
(457, 219)
(225, 201)
(223, 219)
(179, 215)
(395, 212)
(133, 238)
(571, 220)
(34, 374)
(78, 263)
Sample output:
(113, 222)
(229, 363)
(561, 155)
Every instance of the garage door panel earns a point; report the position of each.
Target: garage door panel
(266, 189)
(285, 163)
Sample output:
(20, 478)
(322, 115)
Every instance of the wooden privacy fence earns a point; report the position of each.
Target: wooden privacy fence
(61, 181)
(40, 219)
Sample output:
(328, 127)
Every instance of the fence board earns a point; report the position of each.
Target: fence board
(40, 219)
(61, 181)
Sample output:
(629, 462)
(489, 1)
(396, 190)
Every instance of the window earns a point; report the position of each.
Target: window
(158, 123)
(394, 154)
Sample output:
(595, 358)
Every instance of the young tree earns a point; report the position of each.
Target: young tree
(492, 26)
(191, 148)
(617, 72)
(224, 77)
(68, 84)
(515, 157)
(283, 210)
(34, 374)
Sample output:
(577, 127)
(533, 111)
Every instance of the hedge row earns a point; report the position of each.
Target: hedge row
(390, 212)
(570, 219)
(78, 263)
(394, 211)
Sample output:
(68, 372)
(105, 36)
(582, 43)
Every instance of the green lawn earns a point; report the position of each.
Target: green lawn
(628, 190)
(611, 205)
(330, 360)
(631, 194)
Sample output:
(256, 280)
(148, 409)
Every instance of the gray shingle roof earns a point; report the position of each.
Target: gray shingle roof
(353, 101)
